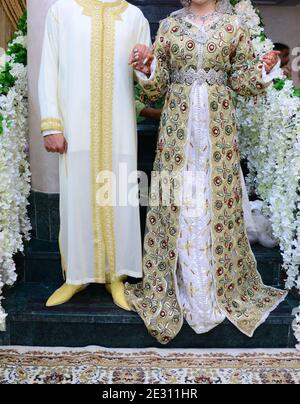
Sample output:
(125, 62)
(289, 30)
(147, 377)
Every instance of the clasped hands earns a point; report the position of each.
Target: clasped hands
(142, 57)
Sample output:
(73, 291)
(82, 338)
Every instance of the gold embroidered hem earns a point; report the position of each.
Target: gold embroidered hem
(52, 124)
(103, 17)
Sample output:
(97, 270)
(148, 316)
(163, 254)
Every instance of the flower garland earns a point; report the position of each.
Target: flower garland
(14, 166)
(270, 140)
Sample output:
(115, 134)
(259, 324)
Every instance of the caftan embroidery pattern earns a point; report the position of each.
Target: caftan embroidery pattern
(103, 19)
(239, 291)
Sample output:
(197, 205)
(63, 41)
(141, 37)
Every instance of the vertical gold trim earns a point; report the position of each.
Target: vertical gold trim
(62, 259)
(102, 81)
(96, 137)
(106, 148)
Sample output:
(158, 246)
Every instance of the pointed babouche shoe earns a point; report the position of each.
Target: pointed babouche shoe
(116, 289)
(64, 294)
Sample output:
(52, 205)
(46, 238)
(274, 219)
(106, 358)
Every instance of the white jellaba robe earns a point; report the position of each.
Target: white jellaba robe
(86, 92)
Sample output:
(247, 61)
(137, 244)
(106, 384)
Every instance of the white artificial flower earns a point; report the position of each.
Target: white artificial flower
(270, 140)
(248, 17)
(14, 174)
(21, 40)
(18, 71)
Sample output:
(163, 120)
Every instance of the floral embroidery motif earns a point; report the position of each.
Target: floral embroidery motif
(241, 295)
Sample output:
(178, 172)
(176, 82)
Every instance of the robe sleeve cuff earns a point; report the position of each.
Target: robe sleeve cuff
(51, 132)
(52, 124)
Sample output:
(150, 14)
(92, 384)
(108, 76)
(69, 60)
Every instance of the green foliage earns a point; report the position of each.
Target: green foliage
(296, 92)
(1, 125)
(261, 24)
(263, 37)
(22, 26)
(18, 53)
(6, 80)
(279, 84)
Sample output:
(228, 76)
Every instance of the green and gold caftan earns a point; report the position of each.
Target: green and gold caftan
(198, 263)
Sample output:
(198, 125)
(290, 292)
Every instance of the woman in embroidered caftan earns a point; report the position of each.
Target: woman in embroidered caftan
(198, 262)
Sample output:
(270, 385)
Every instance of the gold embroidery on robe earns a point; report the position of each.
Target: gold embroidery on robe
(52, 124)
(103, 20)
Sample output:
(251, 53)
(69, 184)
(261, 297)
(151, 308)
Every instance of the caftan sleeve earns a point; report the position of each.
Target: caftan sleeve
(48, 80)
(247, 76)
(157, 85)
(140, 104)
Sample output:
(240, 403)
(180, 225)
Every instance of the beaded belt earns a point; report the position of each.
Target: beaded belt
(201, 76)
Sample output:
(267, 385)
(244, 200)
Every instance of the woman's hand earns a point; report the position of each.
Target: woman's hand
(141, 59)
(270, 60)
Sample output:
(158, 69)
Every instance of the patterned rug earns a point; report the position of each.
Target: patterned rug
(94, 365)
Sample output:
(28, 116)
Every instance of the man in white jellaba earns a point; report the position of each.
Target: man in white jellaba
(88, 116)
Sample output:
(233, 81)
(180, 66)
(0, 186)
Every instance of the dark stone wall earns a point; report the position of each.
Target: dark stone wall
(156, 10)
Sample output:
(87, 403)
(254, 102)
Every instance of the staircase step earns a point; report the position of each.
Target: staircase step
(92, 319)
(42, 263)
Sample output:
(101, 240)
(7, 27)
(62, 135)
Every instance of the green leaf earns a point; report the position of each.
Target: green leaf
(6, 80)
(22, 26)
(263, 37)
(18, 53)
(296, 92)
(279, 84)
(1, 125)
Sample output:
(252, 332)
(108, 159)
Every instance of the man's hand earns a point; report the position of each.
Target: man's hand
(56, 144)
(141, 59)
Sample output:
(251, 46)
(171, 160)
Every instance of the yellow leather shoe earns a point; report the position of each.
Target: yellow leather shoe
(64, 294)
(117, 290)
